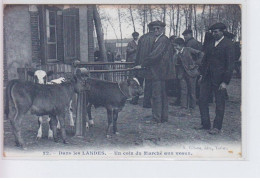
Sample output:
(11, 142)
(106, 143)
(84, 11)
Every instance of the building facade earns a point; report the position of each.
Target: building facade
(46, 34)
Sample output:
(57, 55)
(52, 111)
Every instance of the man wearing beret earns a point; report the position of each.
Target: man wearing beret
(132, 47)
(144, 48)
(216, 72)
(160, 63)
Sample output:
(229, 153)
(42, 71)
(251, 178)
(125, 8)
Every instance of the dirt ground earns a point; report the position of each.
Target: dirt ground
(136, 132)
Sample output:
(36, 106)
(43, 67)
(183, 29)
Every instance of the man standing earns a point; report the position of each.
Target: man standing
(160, 63)
(144, 47)
(190, 41)
(189, 60)
(216, 71)
(132, 47)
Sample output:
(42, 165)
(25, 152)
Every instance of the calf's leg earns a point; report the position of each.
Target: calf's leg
(115, 116)
(90, 119)
(61, 119)
(39, 134)
(50, 132)
(109, 120)
(16, 125)
(53, 124)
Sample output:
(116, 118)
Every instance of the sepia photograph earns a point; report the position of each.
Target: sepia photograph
(122, 81)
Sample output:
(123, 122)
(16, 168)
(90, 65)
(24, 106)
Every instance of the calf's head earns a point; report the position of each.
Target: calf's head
(134, 87)
(40, 76)
(80, 85)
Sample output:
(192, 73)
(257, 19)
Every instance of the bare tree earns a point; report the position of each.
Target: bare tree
(132, 18)
(178, 19)
(100, 34)
(120, 28)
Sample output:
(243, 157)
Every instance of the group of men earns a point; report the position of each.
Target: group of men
(192, 65)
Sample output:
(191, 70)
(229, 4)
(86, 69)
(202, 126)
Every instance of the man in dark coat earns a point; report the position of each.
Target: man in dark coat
(144, 47)
(160, 63)
(132, 47)
(216, 72)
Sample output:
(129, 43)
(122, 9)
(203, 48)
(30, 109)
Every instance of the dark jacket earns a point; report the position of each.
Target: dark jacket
(144, 48)
(193, 44)
(160, 60)
(190, 61)
(218, 62)
(131, 51)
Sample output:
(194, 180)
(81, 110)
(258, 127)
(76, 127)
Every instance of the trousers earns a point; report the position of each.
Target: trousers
(206, 88)
(188, 91)
(159, 101)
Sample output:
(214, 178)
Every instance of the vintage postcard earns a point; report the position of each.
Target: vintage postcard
(122, 81)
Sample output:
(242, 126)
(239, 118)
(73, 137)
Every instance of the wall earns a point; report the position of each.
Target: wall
(17, 34)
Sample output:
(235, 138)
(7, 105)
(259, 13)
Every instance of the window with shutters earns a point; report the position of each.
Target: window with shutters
(59, 32)
(51, 36)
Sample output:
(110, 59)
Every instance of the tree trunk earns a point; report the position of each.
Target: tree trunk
(178, 18)
(132, 18)
(195, 22)
(100, 34)
(203, 23)
(164, 13)
(144, 20)
(120, 28)
(210, 15)
(151, 13)
(190, 17)
(173, 24)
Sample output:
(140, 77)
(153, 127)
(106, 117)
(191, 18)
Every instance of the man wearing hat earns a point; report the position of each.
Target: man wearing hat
(216, 73)
(132, 47)
(190, 40)
(160, 63)
(144, 47)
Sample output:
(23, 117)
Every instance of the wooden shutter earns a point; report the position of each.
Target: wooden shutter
(71, 34)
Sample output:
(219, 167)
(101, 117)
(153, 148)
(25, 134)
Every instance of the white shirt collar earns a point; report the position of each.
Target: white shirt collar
(136, 41)
(218, 41)
(158, 37)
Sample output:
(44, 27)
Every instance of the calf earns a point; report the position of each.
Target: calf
(40, 76)
(52, 100)
(112, 96)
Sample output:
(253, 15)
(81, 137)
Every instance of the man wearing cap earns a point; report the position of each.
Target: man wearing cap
(190, 40)
(216, 73)
(132, 47)
(144, 47)
(160, 63)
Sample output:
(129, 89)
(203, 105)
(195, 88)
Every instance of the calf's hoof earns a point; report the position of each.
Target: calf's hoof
(38, 138)
(65, 142)
(72, 129)
(55, 140)
(116, 133)
(91, 123)
(108, 136)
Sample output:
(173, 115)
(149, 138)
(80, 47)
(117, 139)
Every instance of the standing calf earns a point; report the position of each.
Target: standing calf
(52, 100)
(112, 96)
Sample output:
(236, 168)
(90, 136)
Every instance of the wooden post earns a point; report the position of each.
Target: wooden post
(81, 117)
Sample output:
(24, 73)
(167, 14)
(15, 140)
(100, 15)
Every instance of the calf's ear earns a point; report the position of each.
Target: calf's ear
(30, 73)
(49, 73)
